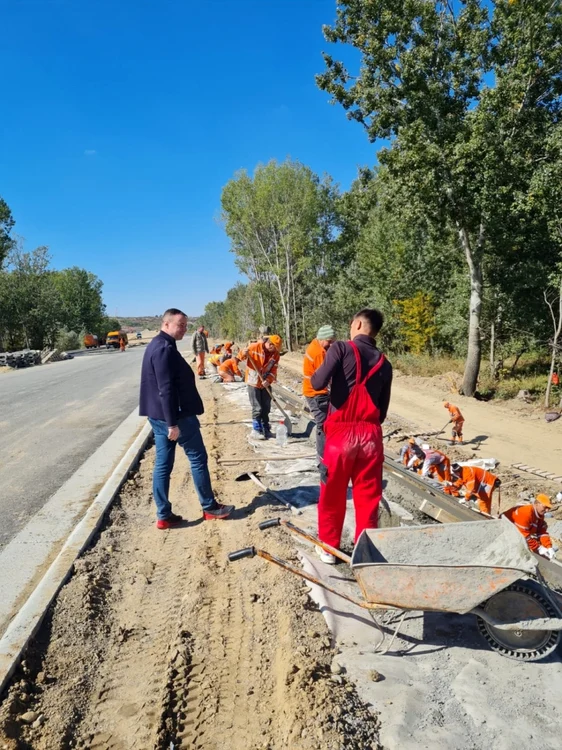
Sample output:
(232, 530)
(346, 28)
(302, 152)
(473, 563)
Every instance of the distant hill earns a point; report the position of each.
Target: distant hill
(148, 322)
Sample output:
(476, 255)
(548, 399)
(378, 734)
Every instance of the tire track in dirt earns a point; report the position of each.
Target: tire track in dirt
(156, 641)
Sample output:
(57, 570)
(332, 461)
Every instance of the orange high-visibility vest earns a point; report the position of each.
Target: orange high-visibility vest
(313, 358)
(531, 525)
(265, 361)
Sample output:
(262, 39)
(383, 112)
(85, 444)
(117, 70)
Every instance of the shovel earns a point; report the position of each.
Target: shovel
(287, 419)
(252, 476)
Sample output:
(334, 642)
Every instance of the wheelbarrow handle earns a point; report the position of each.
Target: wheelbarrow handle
(240, 553)
(269, 524)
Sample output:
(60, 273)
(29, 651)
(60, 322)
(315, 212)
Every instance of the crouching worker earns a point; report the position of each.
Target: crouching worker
(475, 483)
(412, 455)
(436, 465)
(262, 359)
(361, 378)
(529, 519)
(229, 370)
(317, 401)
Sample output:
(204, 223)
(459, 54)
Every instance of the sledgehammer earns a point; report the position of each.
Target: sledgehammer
(250, 475)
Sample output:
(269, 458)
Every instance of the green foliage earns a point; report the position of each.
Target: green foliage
(6, 224)
(68, 340)
(417, 315)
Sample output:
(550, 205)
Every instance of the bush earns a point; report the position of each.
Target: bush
(68, 340)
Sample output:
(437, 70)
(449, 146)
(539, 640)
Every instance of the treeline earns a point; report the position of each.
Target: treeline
(457, 234)
(40, 306)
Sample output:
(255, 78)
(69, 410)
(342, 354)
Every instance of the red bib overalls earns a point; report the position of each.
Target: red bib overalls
(354, 450)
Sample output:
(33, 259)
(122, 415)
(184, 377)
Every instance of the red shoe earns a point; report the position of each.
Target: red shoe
(219, 513)
(171, 522)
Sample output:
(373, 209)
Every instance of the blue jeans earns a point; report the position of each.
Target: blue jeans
(191, 441)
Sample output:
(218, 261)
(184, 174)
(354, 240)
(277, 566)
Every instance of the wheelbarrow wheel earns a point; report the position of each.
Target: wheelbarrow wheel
(520, 601)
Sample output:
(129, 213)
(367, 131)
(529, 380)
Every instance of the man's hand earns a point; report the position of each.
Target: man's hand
(173, 433)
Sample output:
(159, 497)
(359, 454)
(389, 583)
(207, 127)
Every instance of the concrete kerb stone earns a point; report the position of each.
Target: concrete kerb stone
(29, 618)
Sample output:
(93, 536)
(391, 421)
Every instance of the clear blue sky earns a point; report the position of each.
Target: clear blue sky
(123, 119)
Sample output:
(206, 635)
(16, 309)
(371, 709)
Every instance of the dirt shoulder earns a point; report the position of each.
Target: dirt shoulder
(157, 641)
(512, 433)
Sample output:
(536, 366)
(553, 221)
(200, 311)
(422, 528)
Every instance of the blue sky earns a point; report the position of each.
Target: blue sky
(122, 120)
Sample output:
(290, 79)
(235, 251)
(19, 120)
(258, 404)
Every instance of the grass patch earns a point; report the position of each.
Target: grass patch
(425, 365)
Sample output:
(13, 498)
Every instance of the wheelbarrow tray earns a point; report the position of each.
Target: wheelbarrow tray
(442, 567)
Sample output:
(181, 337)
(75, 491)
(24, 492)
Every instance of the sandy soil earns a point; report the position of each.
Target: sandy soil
(158, 642)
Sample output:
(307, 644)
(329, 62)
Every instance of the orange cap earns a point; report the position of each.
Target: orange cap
(276, 341)
(544, 500)
(227, 344)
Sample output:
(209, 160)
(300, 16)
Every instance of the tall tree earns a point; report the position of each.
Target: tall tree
(277, 221)
(467, 100)
(81, 297)
(6, 225)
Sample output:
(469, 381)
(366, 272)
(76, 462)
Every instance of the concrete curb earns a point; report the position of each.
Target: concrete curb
(29, 618)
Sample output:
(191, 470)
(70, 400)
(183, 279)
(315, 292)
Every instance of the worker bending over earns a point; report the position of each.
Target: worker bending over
(529, 519)
(436, 465)
(317, 401)
(262, 359)
(475, 483)
(228, 370)
(227, 350)
(412, 455)
(457, 421)
(361, 378)
(200, 347)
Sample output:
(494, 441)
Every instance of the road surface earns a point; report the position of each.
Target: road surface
(52, 418)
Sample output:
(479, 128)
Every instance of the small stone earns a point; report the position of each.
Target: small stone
(313, 634)
(29, 717)
(336, 668)
(337, 678)
(375, 676)
(41, 678)
(38, 721)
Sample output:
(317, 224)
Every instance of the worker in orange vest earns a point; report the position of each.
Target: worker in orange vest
(436, 465)
(262, 359)
(121, 344)
(229, 370)
(529, 519)
(457, 420)
(412, 455)
(317, 401)
(475, 483)
(227, 350)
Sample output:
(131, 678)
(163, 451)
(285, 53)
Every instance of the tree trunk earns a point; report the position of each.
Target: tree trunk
(557, 323)
(474, 352)
(492, 349)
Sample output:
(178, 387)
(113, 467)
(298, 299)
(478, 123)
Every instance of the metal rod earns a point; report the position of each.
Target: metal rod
(310, 538)
(311, 579)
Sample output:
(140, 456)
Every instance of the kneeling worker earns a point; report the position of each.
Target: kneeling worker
(529, 519)
(436, 465)
(317, 401)
(360, 378)
(262, 359)
(478, 485)
(229, 370)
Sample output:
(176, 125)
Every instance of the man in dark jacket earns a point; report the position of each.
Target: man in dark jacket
(169, 398)
(360, 378)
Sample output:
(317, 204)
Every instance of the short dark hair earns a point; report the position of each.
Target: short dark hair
(374, 319)
(171, 312)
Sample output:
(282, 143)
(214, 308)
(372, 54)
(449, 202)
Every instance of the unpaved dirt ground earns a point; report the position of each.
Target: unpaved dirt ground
(158, 642)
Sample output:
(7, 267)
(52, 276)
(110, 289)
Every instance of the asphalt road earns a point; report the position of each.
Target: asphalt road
(52, 418)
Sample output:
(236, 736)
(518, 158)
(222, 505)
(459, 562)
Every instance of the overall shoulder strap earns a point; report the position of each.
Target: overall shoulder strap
(376, 367)
(357, 363)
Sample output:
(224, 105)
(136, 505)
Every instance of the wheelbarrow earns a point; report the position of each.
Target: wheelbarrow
(481, 568)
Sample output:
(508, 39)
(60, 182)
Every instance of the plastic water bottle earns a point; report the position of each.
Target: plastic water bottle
(281, 435)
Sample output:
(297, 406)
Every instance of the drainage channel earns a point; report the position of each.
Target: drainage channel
(422, 497)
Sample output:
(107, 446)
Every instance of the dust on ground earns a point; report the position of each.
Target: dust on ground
(157, 641)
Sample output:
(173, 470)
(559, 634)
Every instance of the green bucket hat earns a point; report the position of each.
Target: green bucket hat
(326, 332)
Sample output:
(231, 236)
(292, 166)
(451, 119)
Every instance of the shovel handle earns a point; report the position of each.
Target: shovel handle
(240, 553)
(269, 524)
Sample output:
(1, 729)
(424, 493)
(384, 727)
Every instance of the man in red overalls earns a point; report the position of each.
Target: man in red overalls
(361, 378)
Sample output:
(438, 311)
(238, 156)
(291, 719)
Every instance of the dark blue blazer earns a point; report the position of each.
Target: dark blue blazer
(168, 389)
